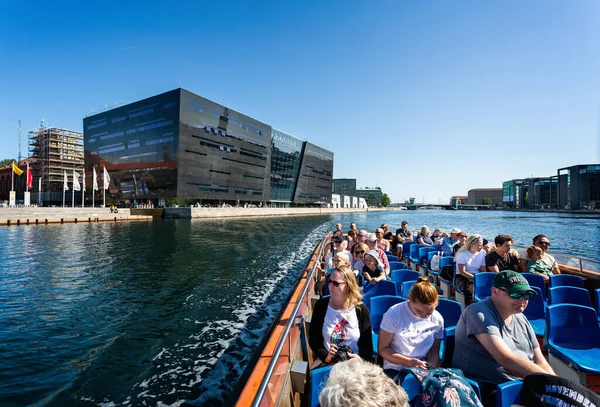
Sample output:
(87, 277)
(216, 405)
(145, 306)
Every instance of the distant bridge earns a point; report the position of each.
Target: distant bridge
(449, 207)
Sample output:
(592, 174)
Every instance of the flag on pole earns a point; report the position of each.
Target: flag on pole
(29, 177)
(76, 186)
(95, 184)
(40, 184)
(106, 179)
(83, 179)
(17, 170)
(66, 183)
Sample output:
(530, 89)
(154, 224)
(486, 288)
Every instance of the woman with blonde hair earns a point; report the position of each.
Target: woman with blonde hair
(470, 260)
(341, 319)
(411, 332)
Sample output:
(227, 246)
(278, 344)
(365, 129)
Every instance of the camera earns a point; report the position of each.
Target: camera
(342, 353)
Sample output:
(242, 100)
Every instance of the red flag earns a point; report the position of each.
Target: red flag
(29, 178)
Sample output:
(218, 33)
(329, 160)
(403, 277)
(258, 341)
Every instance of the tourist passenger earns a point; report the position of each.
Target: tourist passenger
(361, 250)
(494, 341)
(382, 243)
(462, 238)
(352, 235)
(535, 265)
(361, 237)
(470, 260)
(359, 383)
(353, 226)
(372, 243)
(387, 235)
(338, 245)
(338, 228)
(372, 271)
(543, 242)
(402, 235)
(423, 237)
(488, 247)
(341, 319)
(447, 242)
(437, 234)
(504, 257)
(411, 332)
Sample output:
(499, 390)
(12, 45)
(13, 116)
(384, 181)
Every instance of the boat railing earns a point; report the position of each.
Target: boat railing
(581, 266)
(292, 320)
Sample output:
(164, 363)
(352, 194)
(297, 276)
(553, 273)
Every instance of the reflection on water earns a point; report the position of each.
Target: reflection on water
(155, 313)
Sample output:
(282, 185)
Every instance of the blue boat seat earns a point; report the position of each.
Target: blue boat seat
(508, 393)
(413, 257)
(387, 252)
(535, 280)
(383, 287)
(574, 337)
(535, 312)
(406, 286)
(482, 285)
(565, 279)
(406, 249)
(318, 378)
(569, 295)
(400, 276)
(597, 302)
(446, 285)
(379, 306)
(397, 265)
(391, 257)
(450, 311)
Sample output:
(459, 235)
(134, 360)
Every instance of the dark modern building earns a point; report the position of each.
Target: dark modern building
(344, 186)
(178, 147)
(530, 193)
(371, 195)
(579, 187)
(476, 196)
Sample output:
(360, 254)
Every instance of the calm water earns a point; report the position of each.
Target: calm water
(160, 313)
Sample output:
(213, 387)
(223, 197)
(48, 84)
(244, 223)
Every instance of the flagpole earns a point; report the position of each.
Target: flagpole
(83, 189)
(40, 191)
(103, 187)
(73, 192)
(12, 186)
(93, 183)
(64, 189)
(27, 178)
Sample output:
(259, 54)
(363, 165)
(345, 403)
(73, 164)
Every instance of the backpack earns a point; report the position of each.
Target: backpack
(440, 387)
(447, 272)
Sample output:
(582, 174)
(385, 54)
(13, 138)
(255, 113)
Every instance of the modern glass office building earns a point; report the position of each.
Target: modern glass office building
(178, 147)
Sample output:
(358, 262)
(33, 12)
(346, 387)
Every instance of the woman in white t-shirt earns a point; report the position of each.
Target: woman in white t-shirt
(470, 260)
(411, 332)
(341, 319)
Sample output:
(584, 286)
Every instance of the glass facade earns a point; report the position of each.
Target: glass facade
(315, 180)
(223, 155)
(286, 156)
(138, 144)
(344, 186)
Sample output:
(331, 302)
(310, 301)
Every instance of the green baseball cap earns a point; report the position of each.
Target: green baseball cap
(512, 282)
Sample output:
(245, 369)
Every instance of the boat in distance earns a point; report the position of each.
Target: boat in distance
(279, 373)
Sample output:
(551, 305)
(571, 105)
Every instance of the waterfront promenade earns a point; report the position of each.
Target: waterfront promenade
(38, 215)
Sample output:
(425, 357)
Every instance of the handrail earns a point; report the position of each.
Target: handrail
(573, 264)
(269, 372)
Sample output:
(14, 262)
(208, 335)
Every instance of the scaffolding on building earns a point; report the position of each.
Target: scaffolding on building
(55, 151)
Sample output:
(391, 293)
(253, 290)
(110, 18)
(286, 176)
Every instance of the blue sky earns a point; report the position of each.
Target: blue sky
(425, 99)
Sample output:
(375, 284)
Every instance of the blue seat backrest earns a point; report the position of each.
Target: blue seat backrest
(406, 286)
(379, 306)
(535, 308)
(383, 287)
(414, 251)
(450, 311)
(398, 265)
(387, 252)
(572, 326)
(392, 258)
(597, 301)
(318, 378)
(406, 248)
(508, 393)
(565, 279)
(569, 295)
(423, 252)
(446, 260)
(537, 281)
(483, 285)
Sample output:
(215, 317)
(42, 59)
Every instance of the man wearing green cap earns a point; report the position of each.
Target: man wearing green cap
(494, 342)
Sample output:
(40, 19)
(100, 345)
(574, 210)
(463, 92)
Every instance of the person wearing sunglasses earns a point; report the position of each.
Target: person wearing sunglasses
(543, 242)
(494, 342)
(341, 319)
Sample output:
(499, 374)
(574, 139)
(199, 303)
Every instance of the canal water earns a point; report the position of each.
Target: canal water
(167, 313)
